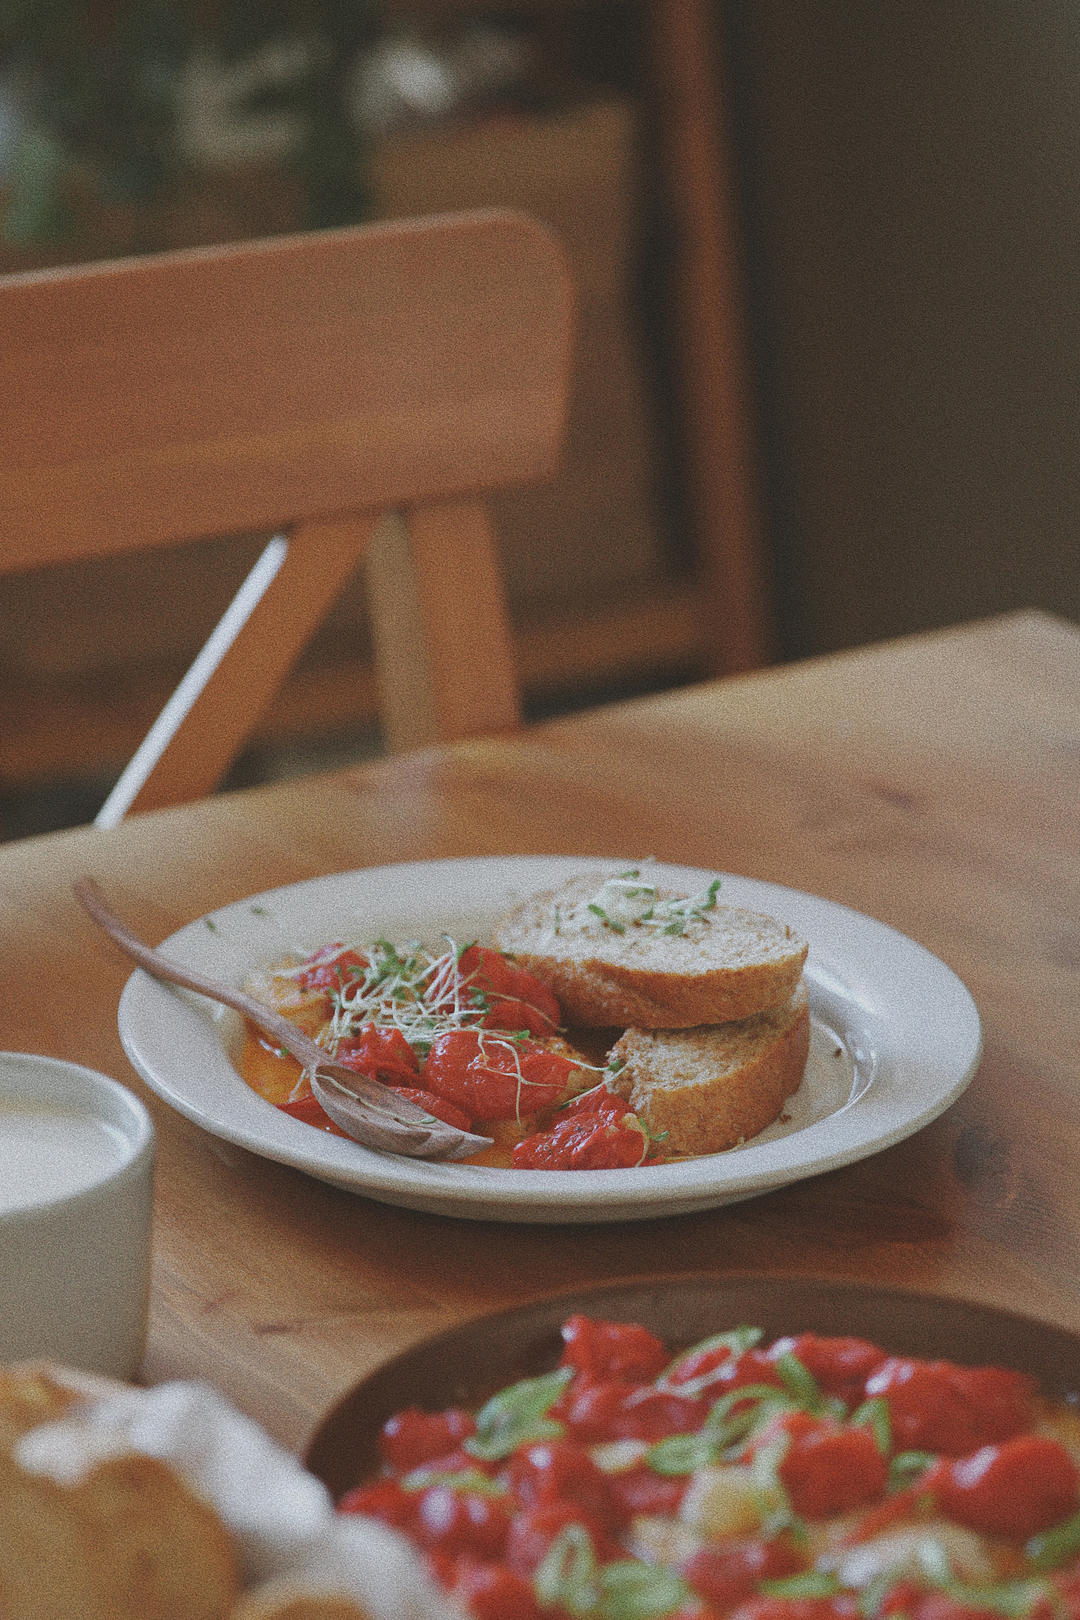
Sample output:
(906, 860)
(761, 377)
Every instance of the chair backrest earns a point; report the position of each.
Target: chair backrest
(305, 387)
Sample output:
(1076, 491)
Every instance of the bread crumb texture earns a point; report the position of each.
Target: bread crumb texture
(706, 1090)
(724, 963)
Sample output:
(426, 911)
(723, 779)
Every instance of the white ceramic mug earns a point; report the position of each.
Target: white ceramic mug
(76, 1187)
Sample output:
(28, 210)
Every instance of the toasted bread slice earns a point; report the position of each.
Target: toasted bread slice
(689, 962)
(709, 1089)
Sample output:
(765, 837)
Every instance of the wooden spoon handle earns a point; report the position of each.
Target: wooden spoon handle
(369, 1111)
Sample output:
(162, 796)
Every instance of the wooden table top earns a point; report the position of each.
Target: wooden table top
(933, 783)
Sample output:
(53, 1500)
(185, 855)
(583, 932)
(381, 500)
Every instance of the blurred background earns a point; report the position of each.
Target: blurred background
(827, 256)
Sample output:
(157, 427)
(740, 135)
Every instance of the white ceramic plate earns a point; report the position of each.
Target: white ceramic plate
(895, 1039)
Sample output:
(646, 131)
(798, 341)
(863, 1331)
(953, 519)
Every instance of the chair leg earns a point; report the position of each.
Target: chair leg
(444, 654)
(250, 651)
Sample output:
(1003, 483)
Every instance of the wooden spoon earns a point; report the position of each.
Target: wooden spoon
(364, 1108)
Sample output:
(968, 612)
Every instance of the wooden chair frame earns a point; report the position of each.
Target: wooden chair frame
(309, 388)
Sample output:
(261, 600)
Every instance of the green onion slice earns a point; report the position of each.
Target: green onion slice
(517, 1414)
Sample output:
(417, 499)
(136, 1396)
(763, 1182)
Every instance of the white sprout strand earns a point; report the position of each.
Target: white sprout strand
(487, 1038)
(423, 996)
(417, 994)
(627, 900)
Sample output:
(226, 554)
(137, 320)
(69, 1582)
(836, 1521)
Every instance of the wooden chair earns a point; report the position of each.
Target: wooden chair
(304, 387)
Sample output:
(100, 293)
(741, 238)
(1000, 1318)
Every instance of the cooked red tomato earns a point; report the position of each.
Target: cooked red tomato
(332, 968)
(939, 1406)
(728, 1573)
(441, 1107)
(840, 1366)
(796, 1608)
(311, 1112)
(562, 1470)
(384, 1499)
(828, 1467)
(612, 1349)
(533, 1529)
(754, 1366)
(509, 996)
(494, 1077)
(493, 1591)
(461, 1520)
(1015, 1489)
(943, 1606)
(412, 1437)
(584, 1144)
(384, 1054)
(641, 1490)
(617, 1410)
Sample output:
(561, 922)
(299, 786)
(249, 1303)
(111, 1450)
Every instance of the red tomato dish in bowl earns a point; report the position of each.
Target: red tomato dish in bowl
(464, 1032)
(699, 1448)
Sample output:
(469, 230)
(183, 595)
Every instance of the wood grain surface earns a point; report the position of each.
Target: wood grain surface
(933, 782)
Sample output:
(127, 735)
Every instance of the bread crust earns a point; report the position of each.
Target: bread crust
(730, 964)
(709, 1089)
(129, 1542)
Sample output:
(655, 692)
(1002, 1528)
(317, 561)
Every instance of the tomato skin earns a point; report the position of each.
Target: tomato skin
(583, 1144)
(840, 1365)
(550, 1470)
(533, 1529)
(816, 1608)
(455, 1521)
(441, 1107)
(940, 1606)
(384, 1054)
(331, 968)
(1066, 1583)
(618, 1410)
(385, 1500)
(829, 1468)
(700, 1364)
(1015, 1489)
(411, 1437)
(729, 1574)
(311, 1112)
(735, 1372)
(516, 998)
(604, 1349)
(640, 1490)
(939, 1406)
(495, 1077)
(492, 1591)
(893, 1509)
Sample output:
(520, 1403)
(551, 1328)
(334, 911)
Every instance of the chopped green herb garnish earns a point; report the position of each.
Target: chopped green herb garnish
(608, 922)
(682, 1453)
(630, 901)
(874, 1415)
(518, 1414)
(799, 1382)
(811, 1583)
(1054, 1547)
(458, 1479)
(906, 1467)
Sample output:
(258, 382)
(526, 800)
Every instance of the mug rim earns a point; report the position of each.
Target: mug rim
(125, 1112)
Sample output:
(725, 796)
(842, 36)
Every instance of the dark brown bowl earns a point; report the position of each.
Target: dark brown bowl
(469, 1362)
